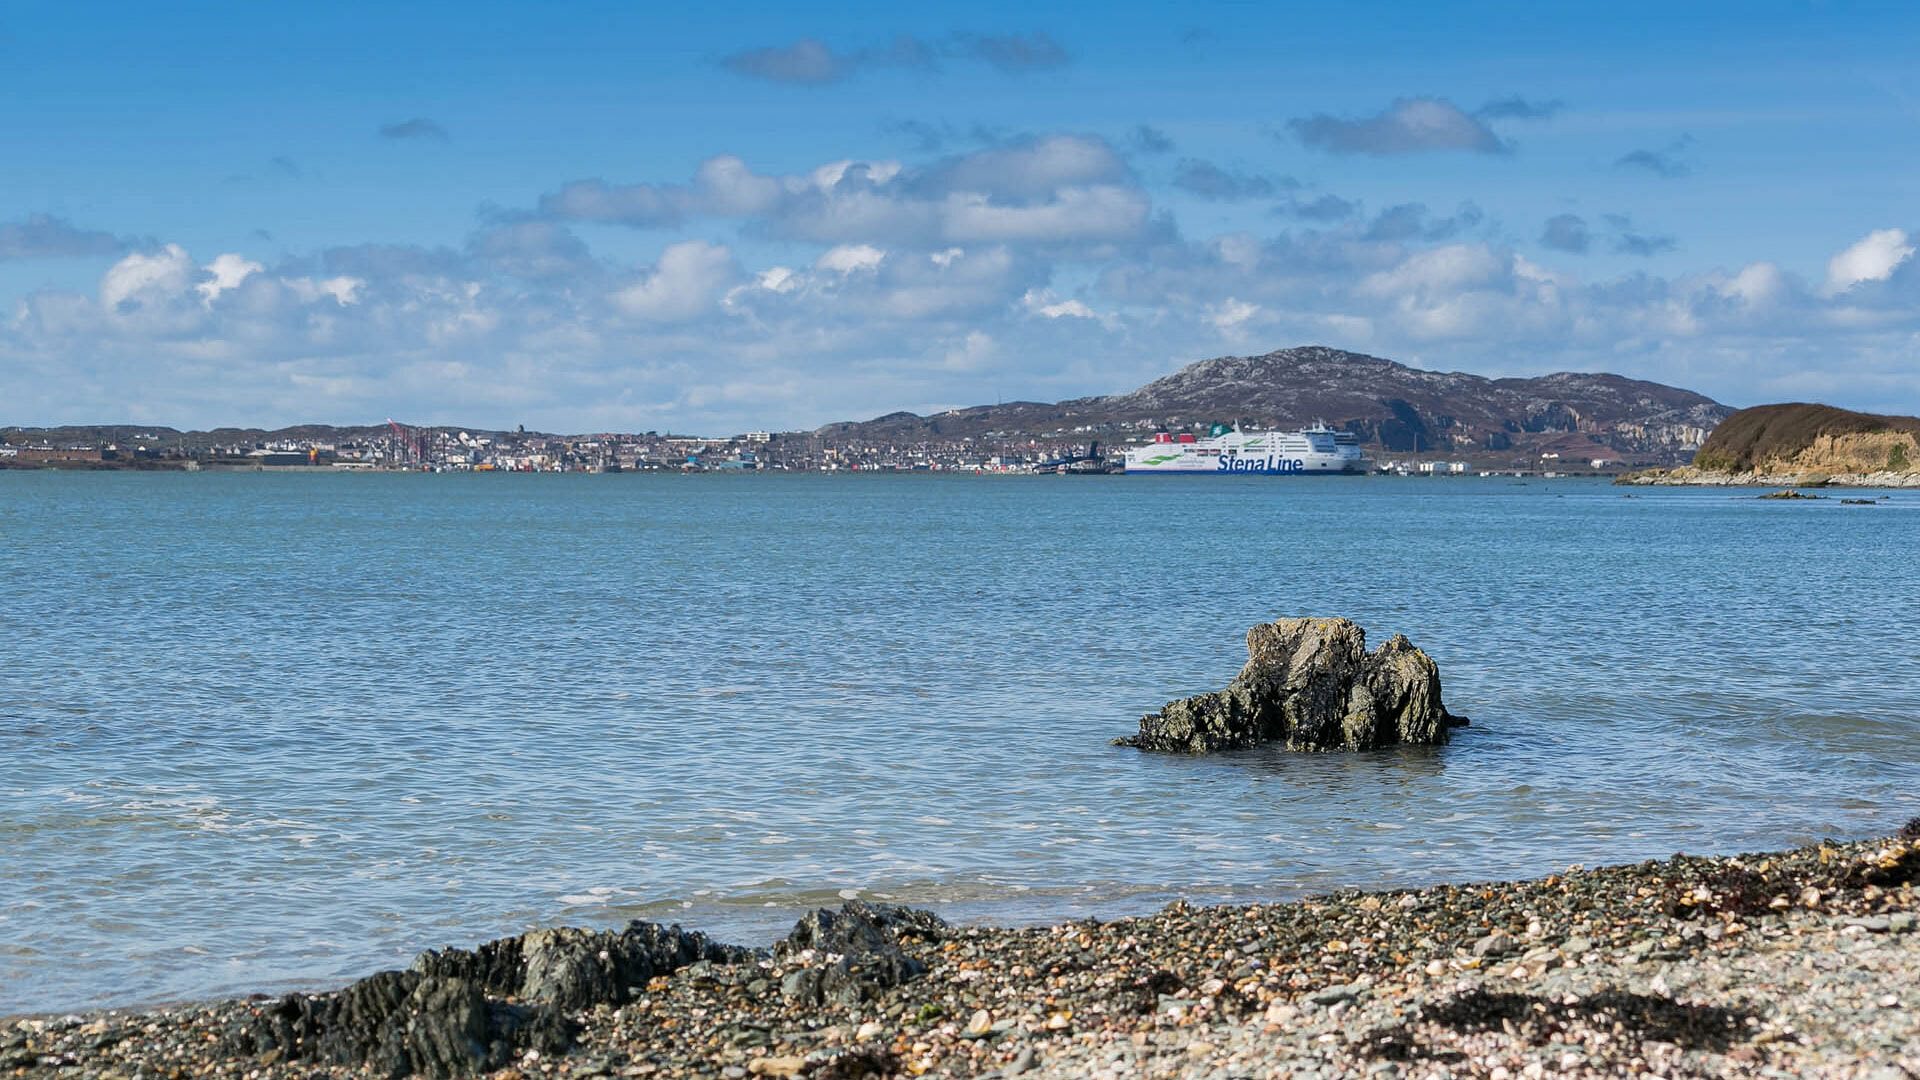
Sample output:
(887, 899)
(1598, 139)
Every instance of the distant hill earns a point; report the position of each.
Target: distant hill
(1804, 438)
(166, 438)
(1392, 407)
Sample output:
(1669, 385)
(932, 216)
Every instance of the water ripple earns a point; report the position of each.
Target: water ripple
(269, 731)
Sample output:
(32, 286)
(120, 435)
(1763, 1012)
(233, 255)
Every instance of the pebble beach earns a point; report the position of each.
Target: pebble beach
(1793, 963)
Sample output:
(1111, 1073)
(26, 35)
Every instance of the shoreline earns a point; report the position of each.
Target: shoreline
(1688, 476)
(1805, 960)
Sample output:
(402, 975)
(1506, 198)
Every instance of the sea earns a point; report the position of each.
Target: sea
(262, 732)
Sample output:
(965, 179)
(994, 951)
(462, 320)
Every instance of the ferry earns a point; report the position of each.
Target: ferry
(1314, 449)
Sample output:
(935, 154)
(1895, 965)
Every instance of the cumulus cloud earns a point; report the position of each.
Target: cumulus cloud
(1571, 233)
(1011, 52)
(1567, 232)
(1629, 241)
(849, 258)
(1210, 181)
(1323, 208)
(43, 236)
(812, 62)
(928, 137)
(1665, 162)
(1874, 257)
(417, 128)
(1146, 139)
(1046, 189)
(1413, 221)
(1231, 317)
(860, 286)
(163, 273)
(1515, 107)
(535, 250)
(687, 282)
(1408, 126)
(224, 274)
(1044, 303)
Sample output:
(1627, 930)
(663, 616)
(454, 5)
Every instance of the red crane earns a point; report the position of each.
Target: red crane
(410, 445)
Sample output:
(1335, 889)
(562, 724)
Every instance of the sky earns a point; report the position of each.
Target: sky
(726, 217)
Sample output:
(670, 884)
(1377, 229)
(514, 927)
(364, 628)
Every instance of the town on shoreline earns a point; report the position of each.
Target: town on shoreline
(401, 448)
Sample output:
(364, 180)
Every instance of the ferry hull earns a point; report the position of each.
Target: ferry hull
(1309, 451)
(1223, 465)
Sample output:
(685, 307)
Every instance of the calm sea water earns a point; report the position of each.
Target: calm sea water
(265, 731)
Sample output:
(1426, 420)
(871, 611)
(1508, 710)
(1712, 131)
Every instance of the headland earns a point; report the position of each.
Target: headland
(1801, 445)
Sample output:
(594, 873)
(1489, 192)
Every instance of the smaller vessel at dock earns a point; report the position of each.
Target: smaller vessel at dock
(1313, 449)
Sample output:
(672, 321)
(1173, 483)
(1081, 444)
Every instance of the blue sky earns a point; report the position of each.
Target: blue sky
(621, 216)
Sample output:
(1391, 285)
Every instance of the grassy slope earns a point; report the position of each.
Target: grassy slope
(1800, 436)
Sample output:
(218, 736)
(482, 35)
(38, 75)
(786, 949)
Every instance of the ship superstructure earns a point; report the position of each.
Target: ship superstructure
(1314, 449)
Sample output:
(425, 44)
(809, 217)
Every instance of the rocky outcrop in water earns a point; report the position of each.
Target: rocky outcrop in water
(1310, 684)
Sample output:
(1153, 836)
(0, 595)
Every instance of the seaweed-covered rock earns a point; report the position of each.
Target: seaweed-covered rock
(853, 954)
(575, 969)
(1310, 684)
(459, 1011)
(399, 1023)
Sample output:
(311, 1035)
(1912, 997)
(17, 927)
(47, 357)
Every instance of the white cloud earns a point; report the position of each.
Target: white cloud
(728, 188)
(1031, 169)
(777, 279)
(1072, 214)
(1042, 302)
(225, 272)
(163, 273)
(848, 258)
(1760, 286)
(883, 284)
(1230, 316)
(1873, 258)
(1059, 189)
(685, 283)
(975, 352)
(343, 290)
(1408, 126)
(1443, 270)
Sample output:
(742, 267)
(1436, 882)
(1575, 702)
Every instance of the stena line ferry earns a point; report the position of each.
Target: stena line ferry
(1315, 449)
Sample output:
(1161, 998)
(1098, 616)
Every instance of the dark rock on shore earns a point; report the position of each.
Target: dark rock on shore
(858, 950)
(457, 1011)
(575, 969)
(399, 1023)
(1310, 684)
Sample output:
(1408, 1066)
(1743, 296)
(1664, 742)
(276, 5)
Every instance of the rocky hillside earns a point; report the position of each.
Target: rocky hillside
(1394, 408)
(1802, 438)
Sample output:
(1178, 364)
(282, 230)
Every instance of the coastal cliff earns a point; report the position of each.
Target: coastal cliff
(1800, 444)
